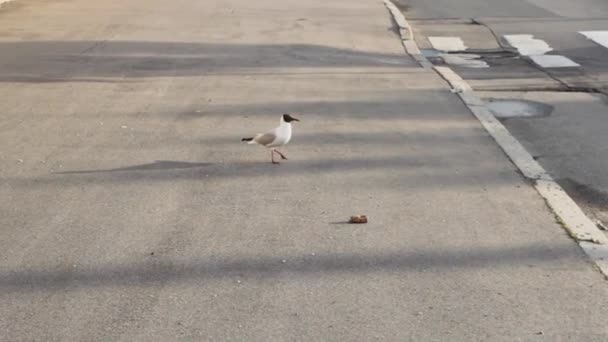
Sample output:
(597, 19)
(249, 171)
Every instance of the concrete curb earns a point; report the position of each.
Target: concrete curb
(407, 35)
(404, 27)
(593, 242)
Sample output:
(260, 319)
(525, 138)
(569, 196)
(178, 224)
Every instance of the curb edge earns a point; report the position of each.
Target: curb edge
(407, 36)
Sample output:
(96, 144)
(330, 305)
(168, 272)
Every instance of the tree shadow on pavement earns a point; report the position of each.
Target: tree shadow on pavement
(156, 271)
(58, 61)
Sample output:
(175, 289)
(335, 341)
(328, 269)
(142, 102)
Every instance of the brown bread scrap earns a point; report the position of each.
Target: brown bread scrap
(358, 219)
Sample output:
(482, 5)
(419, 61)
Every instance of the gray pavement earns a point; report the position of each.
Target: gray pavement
(131, 212)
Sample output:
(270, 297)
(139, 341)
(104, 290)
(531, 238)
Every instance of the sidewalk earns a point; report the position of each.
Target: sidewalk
(101, 241)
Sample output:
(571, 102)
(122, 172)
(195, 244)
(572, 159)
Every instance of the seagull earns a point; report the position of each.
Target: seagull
(278, 136)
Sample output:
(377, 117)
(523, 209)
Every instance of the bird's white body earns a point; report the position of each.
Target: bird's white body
(274, 138)
(278, 136)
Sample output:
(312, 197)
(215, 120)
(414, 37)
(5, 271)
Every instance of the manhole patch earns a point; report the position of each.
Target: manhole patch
(515, 108)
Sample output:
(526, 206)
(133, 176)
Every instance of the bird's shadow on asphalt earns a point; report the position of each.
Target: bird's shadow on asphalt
(417, 170)
(156, 165)
(175, 169)
(163, 170)
(168, 165)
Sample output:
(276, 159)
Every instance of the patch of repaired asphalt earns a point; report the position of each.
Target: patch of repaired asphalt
(517, 108)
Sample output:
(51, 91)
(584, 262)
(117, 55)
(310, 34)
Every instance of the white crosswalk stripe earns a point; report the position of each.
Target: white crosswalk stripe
(599, 37)
(554, 61)
(527, 45)
(453, 50)
(447, 44)
(536, 49)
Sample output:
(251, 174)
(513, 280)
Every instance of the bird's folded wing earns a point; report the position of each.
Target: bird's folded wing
(265, 139)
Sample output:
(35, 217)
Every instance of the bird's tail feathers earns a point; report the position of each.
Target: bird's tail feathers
(252, 140)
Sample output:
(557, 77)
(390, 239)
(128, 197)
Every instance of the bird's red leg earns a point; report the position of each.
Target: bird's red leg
(281, 154)
(272, 156)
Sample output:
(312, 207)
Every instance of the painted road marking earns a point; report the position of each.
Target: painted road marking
(600, 37)
(554, 61)
(527, 45)
(534, 48)
(447, 44)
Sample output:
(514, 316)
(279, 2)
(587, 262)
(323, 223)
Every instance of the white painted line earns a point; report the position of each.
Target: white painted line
(593, 242)
(554, 61)
(527, 45)
(534, 48)
(600, 37)
(455, 44)
(447, 43)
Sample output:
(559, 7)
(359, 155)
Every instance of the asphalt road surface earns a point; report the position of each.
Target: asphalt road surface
(130, 211)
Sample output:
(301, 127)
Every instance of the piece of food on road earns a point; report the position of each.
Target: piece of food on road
(358, 219)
